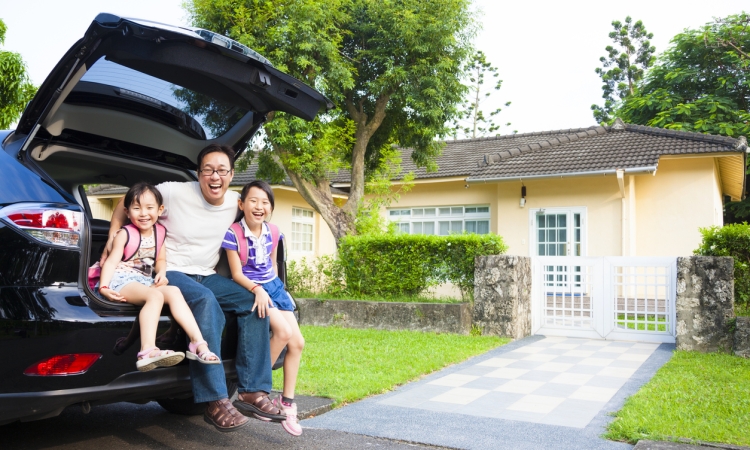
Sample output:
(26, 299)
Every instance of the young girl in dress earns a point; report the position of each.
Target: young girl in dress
(259, 276)
(128, 278)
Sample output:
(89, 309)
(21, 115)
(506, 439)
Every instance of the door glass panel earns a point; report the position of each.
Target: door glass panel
(559, 234)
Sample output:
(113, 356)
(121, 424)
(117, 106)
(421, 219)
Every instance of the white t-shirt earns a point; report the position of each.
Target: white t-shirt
(195, 228)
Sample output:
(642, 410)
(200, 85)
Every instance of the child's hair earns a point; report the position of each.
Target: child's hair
(134, 193)
(260, 184)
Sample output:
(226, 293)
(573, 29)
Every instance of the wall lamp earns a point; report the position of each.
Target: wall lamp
(523, 196)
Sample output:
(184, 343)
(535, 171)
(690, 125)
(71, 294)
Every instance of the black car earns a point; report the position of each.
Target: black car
(131, 101)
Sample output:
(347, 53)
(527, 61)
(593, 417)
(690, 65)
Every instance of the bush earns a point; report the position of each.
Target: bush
(322, 274)
(731, 240)
(404, 264)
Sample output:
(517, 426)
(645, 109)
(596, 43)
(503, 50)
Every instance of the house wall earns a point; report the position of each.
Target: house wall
(323, 241)
(600, 196)
(101, 208)
(662, 212)
(684, 195)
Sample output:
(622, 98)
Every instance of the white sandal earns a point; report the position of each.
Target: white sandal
(201, 357)
(164, 358)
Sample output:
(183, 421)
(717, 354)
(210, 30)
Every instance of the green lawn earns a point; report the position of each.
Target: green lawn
(643, 322)
(349, 364)
(696, 396)
(372, 298)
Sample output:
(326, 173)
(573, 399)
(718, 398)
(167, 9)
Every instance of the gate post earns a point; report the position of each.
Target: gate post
(705, 303)
(502, 295)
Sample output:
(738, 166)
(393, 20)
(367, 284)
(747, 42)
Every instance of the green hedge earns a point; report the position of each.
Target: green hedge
(407, 264)
(731, 240)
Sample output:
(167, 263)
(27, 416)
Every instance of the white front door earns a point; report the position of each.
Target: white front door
(558, 232)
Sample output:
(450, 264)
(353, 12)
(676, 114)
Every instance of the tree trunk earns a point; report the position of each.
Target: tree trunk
(341, 219)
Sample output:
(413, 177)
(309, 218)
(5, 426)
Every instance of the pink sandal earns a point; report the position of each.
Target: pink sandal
(201, 357)
(164, 358)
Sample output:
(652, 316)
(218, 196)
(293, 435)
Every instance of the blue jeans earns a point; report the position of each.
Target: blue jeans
(209, 297)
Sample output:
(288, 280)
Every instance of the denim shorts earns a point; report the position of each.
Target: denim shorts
(279, 296)
(121, 278)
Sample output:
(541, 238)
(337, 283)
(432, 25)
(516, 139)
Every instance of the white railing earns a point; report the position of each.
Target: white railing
(629, 298)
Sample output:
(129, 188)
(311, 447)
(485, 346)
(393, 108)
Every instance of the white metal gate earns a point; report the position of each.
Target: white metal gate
(619, 298)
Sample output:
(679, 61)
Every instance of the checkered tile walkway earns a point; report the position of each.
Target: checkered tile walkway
(554, 381)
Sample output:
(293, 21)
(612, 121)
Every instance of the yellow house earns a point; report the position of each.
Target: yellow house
(624, 190)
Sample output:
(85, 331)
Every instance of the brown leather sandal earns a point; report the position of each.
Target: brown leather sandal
(257, 404)
(223, 416)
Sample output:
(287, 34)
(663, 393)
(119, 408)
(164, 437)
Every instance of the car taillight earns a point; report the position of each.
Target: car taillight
(50, 224)
(60, 365)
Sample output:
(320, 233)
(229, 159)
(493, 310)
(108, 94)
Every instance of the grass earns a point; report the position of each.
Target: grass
(642, 322)
(742, 309)
(350, 364)
(695, 396)
(399, 298)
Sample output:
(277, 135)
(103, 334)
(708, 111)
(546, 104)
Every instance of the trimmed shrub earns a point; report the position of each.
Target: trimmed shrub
(407, 264)
(731, 240)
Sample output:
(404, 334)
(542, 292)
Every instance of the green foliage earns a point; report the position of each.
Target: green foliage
(624, 65)
(410, 264)
(348, 365)
(701, 83)
(15, 88)
(321, 274)
(471, 120)
(393, 68)
(695, 397)
(731, 240)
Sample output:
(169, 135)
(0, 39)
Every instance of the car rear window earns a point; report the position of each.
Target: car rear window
(198, 115)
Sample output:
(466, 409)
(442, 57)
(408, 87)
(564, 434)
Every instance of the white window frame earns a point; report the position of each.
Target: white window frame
(301, 219)
(452, 214)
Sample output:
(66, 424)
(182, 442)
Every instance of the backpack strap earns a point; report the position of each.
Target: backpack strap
(239, 234)
(274, 235)
(160, 232)
(133, 242)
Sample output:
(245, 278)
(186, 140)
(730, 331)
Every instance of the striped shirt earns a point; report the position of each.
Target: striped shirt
(259, 268)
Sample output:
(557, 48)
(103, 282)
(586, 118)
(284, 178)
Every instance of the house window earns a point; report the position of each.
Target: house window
(442, 220)
(302, 230)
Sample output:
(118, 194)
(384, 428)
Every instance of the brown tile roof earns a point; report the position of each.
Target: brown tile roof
(596, 149)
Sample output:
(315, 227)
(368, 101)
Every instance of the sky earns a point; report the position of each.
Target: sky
(545, 51)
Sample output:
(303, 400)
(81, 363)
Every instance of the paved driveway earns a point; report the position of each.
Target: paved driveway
(540, 393)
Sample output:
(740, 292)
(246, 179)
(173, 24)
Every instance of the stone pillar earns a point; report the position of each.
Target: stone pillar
(742, 337)
(705, 303)
(502, 295)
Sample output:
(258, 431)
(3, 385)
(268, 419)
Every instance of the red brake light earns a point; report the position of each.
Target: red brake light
(58, 365)
(31, 219)
(47, 223)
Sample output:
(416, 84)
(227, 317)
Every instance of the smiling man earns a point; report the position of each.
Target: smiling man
(197, 215)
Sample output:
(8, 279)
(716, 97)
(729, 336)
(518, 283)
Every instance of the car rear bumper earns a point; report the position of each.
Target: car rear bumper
(131, 387)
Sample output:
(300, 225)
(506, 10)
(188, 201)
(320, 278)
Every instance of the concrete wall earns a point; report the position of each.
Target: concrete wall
(434, 317)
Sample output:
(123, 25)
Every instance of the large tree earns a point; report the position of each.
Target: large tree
(15, 88)
(472, 120)
(700, 83)
(624, 65)
(392, 66)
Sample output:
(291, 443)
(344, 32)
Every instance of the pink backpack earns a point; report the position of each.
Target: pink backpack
(131, 248)
(242, 249)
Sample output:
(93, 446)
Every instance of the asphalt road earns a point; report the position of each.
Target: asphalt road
(129, 426)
